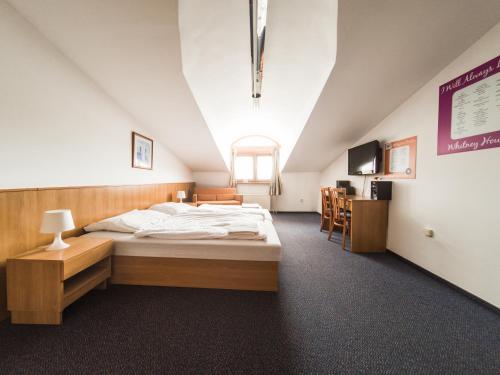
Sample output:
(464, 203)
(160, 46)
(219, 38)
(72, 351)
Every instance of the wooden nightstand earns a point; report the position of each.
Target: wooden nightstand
(41, 283)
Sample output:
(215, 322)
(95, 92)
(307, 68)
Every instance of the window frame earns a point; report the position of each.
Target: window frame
(254, 152)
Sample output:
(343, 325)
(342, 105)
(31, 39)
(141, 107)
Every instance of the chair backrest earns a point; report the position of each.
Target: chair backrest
(324, 200)
(338, 199)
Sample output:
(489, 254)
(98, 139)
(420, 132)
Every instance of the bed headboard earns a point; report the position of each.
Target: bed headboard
(21, 213)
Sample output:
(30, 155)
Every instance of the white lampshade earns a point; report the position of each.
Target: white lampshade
(181, 194)
(57, 221)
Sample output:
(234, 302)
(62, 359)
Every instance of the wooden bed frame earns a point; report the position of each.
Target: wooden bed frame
(196, 273)
(21, 212)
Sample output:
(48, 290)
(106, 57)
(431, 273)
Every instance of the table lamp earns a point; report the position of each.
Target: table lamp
(181, 195)
(57, 221)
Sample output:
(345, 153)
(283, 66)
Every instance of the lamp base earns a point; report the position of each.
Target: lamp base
(58, 243)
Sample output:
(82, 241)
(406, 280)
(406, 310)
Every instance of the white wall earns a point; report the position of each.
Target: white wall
(299, 189)
(211, 179)
(457, 195)
(58, 128)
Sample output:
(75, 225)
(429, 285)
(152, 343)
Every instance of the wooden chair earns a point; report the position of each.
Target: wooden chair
(340, 216)
(326, 213)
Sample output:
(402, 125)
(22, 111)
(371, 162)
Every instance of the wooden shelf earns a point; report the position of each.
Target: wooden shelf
(41, 284)
(83, 282)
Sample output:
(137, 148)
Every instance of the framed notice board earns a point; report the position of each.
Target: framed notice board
(401, 158)
(469, 110)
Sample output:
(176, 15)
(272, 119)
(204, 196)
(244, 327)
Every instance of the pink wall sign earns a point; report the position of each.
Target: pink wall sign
(469, 110)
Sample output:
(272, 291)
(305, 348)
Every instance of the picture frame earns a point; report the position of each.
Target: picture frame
(142, 151)
(400, 159)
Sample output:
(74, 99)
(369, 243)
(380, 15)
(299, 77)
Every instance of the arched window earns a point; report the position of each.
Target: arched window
(253, 159)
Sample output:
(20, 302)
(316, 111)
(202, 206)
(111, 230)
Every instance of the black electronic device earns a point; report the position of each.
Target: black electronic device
(343, 184)
(381, 190)
(364, 159)
(346, 184)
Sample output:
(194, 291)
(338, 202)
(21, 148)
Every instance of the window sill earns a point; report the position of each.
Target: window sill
(254, 182)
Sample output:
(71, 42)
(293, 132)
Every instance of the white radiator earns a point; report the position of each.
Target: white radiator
(263, 200)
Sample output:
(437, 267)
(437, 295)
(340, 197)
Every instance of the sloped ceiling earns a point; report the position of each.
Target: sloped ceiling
(130, 48)
(387, 50)
(301, 38)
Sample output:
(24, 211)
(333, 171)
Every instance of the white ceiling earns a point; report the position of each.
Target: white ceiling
(386, 50)
(131, 49)
(298, 58)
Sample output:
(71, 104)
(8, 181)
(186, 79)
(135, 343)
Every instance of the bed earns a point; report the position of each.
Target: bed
(205, 263)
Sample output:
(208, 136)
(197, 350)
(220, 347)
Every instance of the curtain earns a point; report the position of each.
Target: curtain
(232, 178)
(276, 187)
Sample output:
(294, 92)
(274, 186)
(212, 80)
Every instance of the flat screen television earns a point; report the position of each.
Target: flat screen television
(364, 159)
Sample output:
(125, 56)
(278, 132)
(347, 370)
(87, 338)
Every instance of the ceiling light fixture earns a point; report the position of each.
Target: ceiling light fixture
(258, 18)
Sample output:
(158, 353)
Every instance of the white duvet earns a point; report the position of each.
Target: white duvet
(264, 214)
(205, 225)
(205, 222)
(186, 228)
(128, 222)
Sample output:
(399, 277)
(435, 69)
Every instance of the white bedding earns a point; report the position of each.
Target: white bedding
(126, 244)
(175, 229)
(171, 208)
(204, 222)
(201, 225)
(259, 211)
(128, 222)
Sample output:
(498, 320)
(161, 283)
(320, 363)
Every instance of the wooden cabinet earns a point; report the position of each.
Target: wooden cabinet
(42, 283)
(368, 224)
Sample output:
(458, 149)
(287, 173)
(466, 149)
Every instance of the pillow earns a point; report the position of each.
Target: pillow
(207, 197)
(129, 222)
(225, 197)
(171, 208)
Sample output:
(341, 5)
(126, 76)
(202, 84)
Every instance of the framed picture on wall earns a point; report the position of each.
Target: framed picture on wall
(401, 158)
(142, 151)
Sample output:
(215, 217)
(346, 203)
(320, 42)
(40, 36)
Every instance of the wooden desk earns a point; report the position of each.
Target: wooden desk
(368, 224)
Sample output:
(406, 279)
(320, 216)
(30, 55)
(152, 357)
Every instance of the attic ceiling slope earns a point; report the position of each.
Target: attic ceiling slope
(131, 49)
(300, 50)
(387, 50)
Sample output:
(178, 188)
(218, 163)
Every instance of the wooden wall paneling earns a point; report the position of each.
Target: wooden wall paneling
(3, 252)
(21, 213)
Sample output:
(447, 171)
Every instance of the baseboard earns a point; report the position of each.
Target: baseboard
(453, 286)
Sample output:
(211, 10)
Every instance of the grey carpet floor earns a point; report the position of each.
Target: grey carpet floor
(336, 312)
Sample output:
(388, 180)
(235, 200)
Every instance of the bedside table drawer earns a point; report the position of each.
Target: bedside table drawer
(90, 257)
